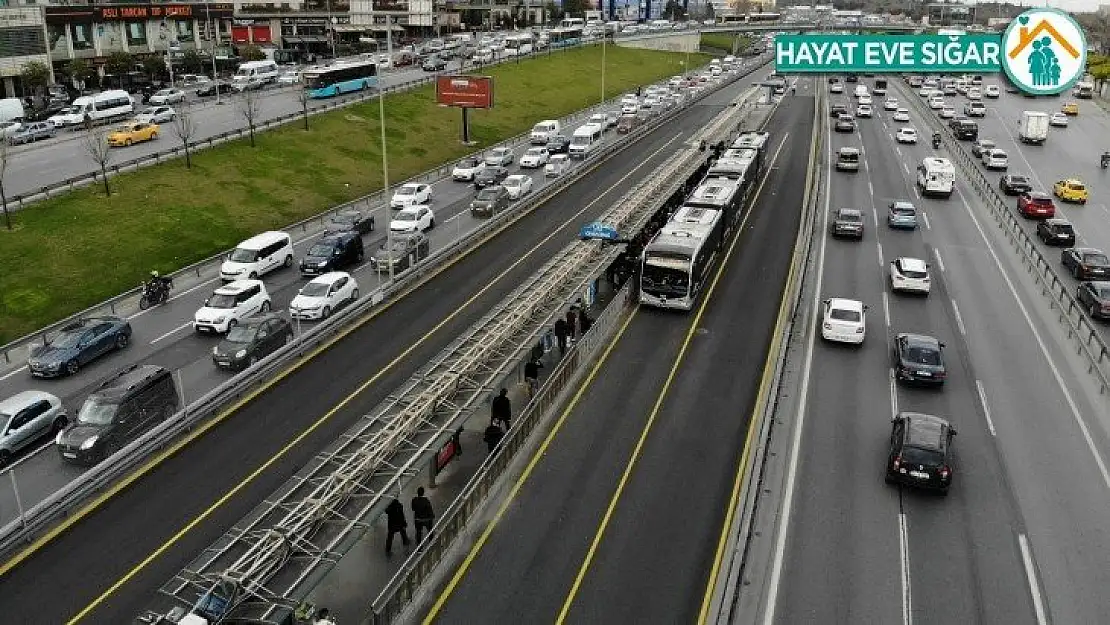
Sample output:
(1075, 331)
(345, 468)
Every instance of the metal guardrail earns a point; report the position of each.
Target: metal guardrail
(1079, 326)
(200, 415)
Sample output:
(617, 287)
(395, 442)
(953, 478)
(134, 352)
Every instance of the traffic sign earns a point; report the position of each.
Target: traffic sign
(598, 230)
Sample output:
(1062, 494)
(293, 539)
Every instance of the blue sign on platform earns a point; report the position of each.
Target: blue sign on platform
(598, 230)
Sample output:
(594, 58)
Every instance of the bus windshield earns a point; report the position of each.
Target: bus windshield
(664, 279)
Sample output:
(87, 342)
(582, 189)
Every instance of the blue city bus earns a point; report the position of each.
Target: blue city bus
(564, 37)
(328, 82)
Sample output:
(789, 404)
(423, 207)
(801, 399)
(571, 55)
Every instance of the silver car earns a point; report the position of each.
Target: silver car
(32, 132)
(26, 418)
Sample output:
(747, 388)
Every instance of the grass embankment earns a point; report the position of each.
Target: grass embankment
(69, 253)
(717, 41)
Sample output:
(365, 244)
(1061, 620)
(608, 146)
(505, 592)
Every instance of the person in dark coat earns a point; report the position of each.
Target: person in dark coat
(572, 319)
(584, 321)
(493, 436)
(532, 376)
(423, 517)
(501, 410)
(396, 524)
(561, 335)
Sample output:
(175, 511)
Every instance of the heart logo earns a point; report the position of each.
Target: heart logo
(1024, 19)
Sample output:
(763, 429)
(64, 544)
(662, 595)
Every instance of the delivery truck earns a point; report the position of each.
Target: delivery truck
(1084, 89)
(1033, 127)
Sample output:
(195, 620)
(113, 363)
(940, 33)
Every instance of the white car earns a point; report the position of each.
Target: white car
(229, 304)
(909, 275)
(289, 77)
(864, 99)
(991, 91)
(411, 194)
(630, 99)
(864, 110)
(902, 115)
(324, 295)
(974, 93)
(1059, 120)
(534, 158)
(8, 129)
(518, 186)
(936, 103)
(156, 115)
(836, 87)
(906, 135)
(167, 96)
(890, 104)
(995, 159)
(502, 157)
(556, 165)
(467, 169)
(844, 321)
(630, 109)
(947, 112)
(412, 219)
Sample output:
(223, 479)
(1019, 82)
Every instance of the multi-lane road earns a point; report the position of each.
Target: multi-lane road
(618, 517)
(1022, 536)
(150, 530)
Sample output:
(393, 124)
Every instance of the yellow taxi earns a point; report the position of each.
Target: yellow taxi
(132, 132)
(1070, 108)
(1070, 190)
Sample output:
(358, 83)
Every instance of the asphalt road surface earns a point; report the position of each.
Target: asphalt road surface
(1021, 538)
(151, 530)
(41, 164)
(620, 519)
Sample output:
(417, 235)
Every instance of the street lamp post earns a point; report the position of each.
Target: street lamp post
(385, 157)
(215, 42)
(604, 36)
(331, 29)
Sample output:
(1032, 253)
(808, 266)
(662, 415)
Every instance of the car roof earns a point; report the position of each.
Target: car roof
(516, 177)
(263, 239)
(920, 340)
(912, 264)
(237, 286)
(415, 208)
(329, 277)
(1040, 195)
(1056, 221)
(23, 399)
(901, 204)
(412, 184)
(849, 211)
(1072, 181)
(335, 238)
(120, 384)
(925, 431)
(841, 303)
(849, 151)
(1088, 250)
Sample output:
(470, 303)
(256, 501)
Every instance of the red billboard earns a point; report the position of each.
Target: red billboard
(474, 92)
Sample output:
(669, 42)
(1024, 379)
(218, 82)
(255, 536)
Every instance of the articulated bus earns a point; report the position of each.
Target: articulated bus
(677, 261)
(328, 82)
(748, 18)
(564, 37)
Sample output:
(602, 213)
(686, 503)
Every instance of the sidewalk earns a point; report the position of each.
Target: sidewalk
(350, 588)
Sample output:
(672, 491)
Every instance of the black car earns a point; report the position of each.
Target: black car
(851, 78)
(405, 250)
(836, 110)
(434, 64)
(920, 451)
(559, 144)
(490, 176)
(966, 130)
(1014, 184)
(980, 146)
(919, 358)
(332, 252)
(251, 340)
(490, 201)
(847, 222)
(1056, 232)
(1086, 263)
(1095, 296)
(210, 88)
(121, 409)
(349, 221)
(844, 123)
(78, 344)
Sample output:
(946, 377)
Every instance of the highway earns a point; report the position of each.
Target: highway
(151, 529)
(618, 516)
(1021, 538)
(36, 165)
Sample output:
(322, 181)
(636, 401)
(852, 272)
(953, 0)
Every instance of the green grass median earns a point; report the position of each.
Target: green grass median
(718, 41)
(70, 252)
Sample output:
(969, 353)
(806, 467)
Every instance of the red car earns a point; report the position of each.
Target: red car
(1034, 204)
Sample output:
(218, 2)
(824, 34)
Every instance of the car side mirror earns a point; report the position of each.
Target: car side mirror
(866, 308)
(942, 345)
(952, 432)
(894, 418)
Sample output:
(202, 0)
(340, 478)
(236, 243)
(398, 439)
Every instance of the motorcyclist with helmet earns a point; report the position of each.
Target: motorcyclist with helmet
(156, 290)
(936, 140)
(1105, 160)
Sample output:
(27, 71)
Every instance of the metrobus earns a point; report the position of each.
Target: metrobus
(564, 37)
(677, 261)
(520, 45)
(748, 18)
(327, 82)
(572, 22)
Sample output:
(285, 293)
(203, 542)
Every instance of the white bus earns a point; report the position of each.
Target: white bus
(259, 71)
(98, 108)
(520, 45)
(676, 263)
(572, 22)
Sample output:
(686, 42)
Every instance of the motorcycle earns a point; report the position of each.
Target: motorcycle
(936, 143)
(1105, 161)
(155, 293)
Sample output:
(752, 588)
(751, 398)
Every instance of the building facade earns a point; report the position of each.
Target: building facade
(22, 41)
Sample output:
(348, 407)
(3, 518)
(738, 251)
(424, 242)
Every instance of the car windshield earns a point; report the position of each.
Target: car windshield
(164, 92)
(917, 455)
(147, 111)
(321, 249)
(241, 334)
(1075, 186)
(1096, 259)
(345, 218)
(535, 152)
(67, 340)
(1040, 199)
(487, 194)
(96, 411)
(406, 191)
(922, 355)
(853, 216)
(842, 314)
(1019, 180)
(220, 300)
(509, 182)
(469, 163)
(902, 209)
(240, 255)
(406, 217)
(315, 289)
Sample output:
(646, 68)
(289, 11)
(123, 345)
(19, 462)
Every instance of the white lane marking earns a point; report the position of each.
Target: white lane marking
(1105, 474)
(925, 219)
(1031, 577)
(17, 371)
(796, 442)
(886, 309)
(904, 167)
(880, 246)
(940, 261)
(874, 213)
(904, 557)
(871, 190)
(986, 406)
(172, 332)
(959, 318)
(893, 384)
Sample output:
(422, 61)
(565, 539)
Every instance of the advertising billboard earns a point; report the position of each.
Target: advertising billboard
(474, 92)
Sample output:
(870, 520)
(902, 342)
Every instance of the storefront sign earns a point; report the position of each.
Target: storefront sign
(136, 12)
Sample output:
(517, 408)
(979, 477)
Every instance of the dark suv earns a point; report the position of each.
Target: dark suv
(407, 250)
(350, 221)
(919, 358)
(1014, 184)
(332, 252)
(920, 451)
(1056, 232)
(1086, 263)
(251, 340)
(121, 409)
(847, 222)
(490, 201)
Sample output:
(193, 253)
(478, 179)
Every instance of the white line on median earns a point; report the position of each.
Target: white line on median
(880, 247)
(959, 318)
(904, 553)
(925, 219)
(1031, 577)
(940, 261)
(886, 309)
(172, 332)
(12, 373)
(986, 407)
(893, 384)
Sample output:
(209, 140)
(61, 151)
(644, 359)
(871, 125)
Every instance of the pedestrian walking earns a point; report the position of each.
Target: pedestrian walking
(561, 335)
(584, 321)
(423, 517)
(323, 617)
(396, 524)
(572, 319)
(501, 409)
(493, 436)
(532, 376)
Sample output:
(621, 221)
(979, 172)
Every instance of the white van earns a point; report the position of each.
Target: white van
(258, 255)
(264, 71)
(861, 90)
(584, 139)
(936, 176)
(103, 106)
(545, 131)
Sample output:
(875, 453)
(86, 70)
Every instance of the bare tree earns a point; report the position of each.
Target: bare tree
(302, 97)
(249, 109)
(185, 127)
(96, 145)
(4, 154)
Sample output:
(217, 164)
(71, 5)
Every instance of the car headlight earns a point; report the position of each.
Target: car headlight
(240, 354)
(220, 319)
(322, 264)
(215, 350)
(89, 442)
